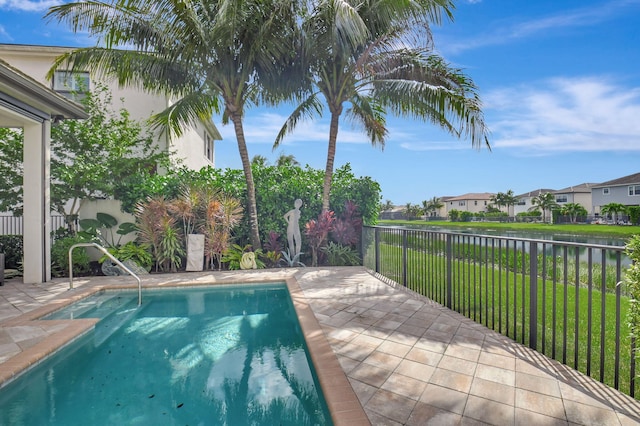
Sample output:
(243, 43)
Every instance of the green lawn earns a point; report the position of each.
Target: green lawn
(617, 231)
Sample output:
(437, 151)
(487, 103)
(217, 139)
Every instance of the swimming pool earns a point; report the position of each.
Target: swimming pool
(202, 355)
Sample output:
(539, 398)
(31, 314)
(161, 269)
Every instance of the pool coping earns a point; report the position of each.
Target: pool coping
(341, 399)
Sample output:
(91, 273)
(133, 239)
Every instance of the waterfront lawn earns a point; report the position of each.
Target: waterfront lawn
(618, 231)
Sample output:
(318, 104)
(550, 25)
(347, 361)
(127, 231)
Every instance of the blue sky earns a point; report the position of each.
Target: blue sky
(559, 81)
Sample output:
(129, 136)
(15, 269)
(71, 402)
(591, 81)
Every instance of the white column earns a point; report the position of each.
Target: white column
(36, 187)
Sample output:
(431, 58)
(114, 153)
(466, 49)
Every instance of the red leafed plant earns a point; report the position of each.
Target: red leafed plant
(347, 228)
(317, 231)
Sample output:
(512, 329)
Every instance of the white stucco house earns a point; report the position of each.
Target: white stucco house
(26, 66)
(195, 148)
(524, 200)
(471, 202)
(579, 194)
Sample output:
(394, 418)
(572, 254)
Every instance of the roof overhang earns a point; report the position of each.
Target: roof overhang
(21, 97)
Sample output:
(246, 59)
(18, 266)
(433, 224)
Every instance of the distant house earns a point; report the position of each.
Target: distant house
(472, 202)
(579, 194)
(624, 190)
(524, 200)
(195, 148)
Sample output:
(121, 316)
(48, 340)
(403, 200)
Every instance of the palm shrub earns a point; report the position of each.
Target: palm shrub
(339, 255)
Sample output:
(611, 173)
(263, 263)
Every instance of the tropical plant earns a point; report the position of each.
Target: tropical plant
(233, 255)
(158, 229)
(138, 253)
(219, 216)
(60, 257)
(454, 215)
(347, 228)
(386, 206)
(339, 255)
(210, 56)
(363, 54)
(12, 247)
(317, 231)
(291, 261)
(509, 200)
(285, 160)
(613, 209)
(101, 229)
(573, 210)
(544, 201)
(634, 214)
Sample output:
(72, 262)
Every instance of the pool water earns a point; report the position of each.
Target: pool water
(223, 355)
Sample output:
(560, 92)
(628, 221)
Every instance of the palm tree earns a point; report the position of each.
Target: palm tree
(509, 199)
(212, 56)
(259, 160)
(573, 210)
(286, 160)
(613, 209)
(497, 200)
(362, 54)
(544, 201)
(431, 206)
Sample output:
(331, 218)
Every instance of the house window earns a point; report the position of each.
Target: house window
(561, 198)
(475, 203)
(634, 190)
(605, 191)
(72, 85)
(208, 147)
(461, 203)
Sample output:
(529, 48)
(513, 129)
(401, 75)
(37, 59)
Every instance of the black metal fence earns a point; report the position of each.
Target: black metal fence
(565, 300)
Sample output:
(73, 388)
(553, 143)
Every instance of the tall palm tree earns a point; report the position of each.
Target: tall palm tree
(377, 56)
(509, 199)
(210, 55)
(432, 205)
(544, 201)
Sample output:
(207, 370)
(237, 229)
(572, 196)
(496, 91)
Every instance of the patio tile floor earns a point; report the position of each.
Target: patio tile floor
(408, 360)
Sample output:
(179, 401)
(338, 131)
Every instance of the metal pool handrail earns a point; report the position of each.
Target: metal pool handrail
(110, 256)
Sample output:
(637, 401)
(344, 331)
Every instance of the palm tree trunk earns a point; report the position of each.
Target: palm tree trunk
(331, 156)
(236, 118)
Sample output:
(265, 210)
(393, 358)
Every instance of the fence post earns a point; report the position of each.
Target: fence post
(533, 295)
(404, 257)
(376, 243)
(1, 268)
(449, 272)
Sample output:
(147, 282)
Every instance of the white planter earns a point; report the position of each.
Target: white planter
(195, 252)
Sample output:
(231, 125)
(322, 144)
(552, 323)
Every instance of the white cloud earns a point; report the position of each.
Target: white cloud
(4, 34)
(570, 115)
(28, 5)
(505, 31)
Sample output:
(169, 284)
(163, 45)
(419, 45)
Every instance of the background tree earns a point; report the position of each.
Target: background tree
(211, 56)
(285, 160)
(431, 206)
(613, 209)
(510, 200)
(573, 210)
(386, 206)
(545, 202)
(11, 166)
(378, 57)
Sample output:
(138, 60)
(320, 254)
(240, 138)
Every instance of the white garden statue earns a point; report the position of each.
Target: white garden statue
(293, 229)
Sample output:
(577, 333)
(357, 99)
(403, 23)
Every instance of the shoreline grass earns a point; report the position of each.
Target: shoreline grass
(614, 231)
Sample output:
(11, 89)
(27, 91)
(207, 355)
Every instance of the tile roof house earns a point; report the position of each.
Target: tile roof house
(579, 194)
(524, 200)
(471, 202)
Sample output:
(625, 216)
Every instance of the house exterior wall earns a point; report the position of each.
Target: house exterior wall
(616, 194)
(189, 148)
(470, 203)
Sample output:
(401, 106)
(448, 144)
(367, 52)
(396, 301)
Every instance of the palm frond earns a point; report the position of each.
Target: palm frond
(191, 109)
(307, 109)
